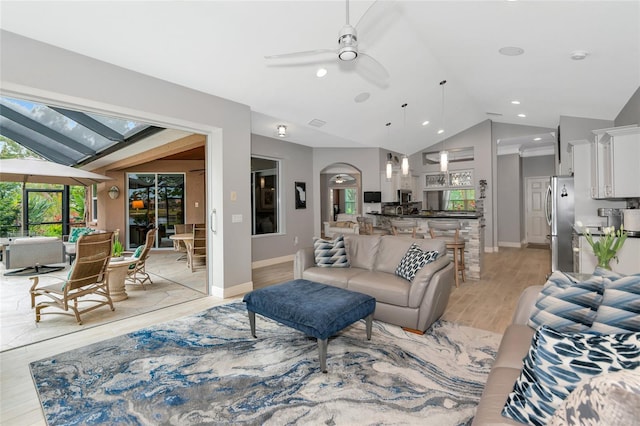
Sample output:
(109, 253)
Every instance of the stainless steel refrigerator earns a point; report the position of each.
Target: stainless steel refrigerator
(559, 207)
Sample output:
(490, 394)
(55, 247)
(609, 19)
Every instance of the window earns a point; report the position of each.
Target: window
(265, 202)
(350, 200)
(94, 202)
(461, 199)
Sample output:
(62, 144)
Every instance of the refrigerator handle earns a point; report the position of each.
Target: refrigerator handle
(546, 205)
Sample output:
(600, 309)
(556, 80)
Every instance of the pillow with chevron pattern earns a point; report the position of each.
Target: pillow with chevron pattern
(566, 305)
(619, 311)
(330, 253)
(557, 363)
(413, 260)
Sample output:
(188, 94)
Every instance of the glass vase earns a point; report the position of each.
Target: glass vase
(602, 263)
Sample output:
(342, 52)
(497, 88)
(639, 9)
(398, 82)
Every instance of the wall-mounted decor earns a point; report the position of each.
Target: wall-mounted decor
(301, 195)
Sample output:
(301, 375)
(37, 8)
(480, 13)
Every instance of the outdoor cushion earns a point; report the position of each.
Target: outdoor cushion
(77, 233)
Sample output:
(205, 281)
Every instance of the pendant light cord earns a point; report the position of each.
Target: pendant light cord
(442, 83)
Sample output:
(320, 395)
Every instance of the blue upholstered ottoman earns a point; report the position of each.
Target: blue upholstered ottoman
(316, 309)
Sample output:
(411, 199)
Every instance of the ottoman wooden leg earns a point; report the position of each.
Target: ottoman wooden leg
(369, 320)
(322, 349)
(252, 323)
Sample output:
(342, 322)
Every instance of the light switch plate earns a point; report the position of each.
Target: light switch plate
(236, 218)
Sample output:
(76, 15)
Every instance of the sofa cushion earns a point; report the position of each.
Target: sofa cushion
(619, 311)
(413, 260)
(338, 277)
(498, 386)
(608, 399)
(330, 253)
(385, 288)
(391, 252)
(361, 250)
(557, 362)
(33, 240)
(565, 305)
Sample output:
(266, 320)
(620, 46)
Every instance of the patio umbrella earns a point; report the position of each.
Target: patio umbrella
(41, 171)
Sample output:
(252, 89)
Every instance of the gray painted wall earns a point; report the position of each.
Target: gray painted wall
(543, 165)
(630, 113)
(479, 137)
(34, 70)
(296, 166)
(509, 202)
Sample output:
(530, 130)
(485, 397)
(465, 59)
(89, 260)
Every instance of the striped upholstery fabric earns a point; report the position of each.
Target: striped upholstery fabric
(566, 305)
(619, 311)
(330, 253)
(558, 362)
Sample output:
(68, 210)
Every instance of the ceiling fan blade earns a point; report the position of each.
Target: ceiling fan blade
(372, 70)
(301, 54)
(376, 19)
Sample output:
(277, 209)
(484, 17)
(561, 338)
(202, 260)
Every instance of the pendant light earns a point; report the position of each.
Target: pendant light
(389, 156)
(444, 155)
(405, 159)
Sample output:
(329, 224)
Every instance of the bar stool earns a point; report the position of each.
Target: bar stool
(404, 227)
(449, 230)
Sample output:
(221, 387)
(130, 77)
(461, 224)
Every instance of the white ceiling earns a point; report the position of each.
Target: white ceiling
(218, 47)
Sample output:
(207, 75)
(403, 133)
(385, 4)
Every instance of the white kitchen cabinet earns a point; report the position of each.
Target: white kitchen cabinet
(389, 187)
(615, 159)
(628, 256)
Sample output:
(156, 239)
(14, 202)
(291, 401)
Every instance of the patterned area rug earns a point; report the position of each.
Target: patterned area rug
(207, 369)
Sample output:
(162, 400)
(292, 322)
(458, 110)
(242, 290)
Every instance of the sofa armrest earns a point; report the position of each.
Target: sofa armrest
(423, 278)
(304, 259)
(525, 305)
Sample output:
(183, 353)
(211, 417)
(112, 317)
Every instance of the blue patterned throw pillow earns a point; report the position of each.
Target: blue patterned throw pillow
(558, 362)
(330, 253)
(619, 311)
(413, 260)
(566, 305)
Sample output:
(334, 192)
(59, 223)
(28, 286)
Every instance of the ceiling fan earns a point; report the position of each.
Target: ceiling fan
(348, 50)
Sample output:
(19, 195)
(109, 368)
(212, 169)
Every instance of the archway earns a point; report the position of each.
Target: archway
(340, 191)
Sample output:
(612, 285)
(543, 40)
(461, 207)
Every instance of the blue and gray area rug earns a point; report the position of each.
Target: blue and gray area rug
(207, 369)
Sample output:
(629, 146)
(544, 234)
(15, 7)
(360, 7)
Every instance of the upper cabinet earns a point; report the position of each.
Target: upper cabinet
(389, 187)
(615, 159)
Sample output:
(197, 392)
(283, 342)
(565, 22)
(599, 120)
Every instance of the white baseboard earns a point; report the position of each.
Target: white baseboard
(273, 261)
(224, 293)
(488, 249)
(509, 244)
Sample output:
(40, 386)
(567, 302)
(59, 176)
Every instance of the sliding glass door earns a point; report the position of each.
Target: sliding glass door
(154, 200)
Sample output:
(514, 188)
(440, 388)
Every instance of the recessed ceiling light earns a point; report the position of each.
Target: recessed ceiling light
(362, 97)
(537, 139)
(424, 123)
(578, 55)
(515, 102)
(522, 115)
(441, 131)
(511, 51)
(321, 72)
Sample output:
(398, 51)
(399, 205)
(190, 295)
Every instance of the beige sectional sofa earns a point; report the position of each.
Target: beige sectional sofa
(508, 364)
(31, 251)
(374, 258)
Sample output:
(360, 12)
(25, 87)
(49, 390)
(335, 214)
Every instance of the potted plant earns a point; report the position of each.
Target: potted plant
(116, 251)
(607, 247)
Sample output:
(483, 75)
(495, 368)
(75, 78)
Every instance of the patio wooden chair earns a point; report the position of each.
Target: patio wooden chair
(88, 277)
(199, 246)
(137, 273)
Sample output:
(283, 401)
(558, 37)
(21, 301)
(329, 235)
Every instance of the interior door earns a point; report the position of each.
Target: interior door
(537, 228)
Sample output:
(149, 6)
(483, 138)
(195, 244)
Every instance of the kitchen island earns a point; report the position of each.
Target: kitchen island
(472, 230)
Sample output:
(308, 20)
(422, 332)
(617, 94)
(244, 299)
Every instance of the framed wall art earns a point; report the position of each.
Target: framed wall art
(301, 195)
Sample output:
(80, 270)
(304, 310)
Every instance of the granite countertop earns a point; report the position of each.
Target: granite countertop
(434, 215)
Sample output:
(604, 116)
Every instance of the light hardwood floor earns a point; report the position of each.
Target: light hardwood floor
(487, 304)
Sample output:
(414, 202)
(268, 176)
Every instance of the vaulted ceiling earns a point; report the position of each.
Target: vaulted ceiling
(218, 47)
